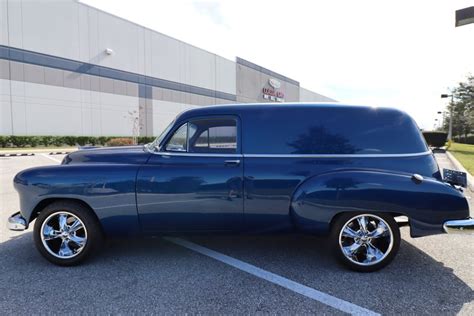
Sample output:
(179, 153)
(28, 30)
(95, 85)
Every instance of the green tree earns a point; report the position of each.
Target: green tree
(462, 109)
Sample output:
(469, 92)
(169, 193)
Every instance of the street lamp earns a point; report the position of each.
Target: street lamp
(450, 131)
(442, 119)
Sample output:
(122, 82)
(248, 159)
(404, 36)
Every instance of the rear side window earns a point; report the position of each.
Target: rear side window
(331, 130)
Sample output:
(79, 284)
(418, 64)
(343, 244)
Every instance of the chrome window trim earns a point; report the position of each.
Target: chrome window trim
(167, 153)
(296, 155)
(338, 155)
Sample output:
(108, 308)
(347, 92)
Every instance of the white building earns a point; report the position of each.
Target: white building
(70, 69)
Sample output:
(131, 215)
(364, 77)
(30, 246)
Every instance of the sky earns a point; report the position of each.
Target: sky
(401, 53)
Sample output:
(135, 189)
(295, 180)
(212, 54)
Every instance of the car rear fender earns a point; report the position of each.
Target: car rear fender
(427, 203)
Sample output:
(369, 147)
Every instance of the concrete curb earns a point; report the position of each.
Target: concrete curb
(17, 155)
(457, 164)
(59, 153)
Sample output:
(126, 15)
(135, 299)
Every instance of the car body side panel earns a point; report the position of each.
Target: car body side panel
(270, 183)
(109, 189)
(428, 203)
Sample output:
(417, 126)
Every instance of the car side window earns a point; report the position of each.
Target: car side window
(178, 141)
(213, 136)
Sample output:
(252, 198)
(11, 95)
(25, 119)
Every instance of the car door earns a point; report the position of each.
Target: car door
(195, 181)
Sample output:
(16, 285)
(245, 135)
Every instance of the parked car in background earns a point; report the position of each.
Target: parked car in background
(337, 170)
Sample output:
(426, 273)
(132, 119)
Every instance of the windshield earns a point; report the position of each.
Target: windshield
(159, 139)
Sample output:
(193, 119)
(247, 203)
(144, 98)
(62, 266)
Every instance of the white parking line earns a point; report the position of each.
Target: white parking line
(51, 158)
(316, 295)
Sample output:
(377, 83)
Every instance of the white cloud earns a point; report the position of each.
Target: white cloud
(399, 53)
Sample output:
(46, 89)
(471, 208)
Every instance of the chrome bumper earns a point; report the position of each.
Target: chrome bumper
(16, 222)
(459, 226)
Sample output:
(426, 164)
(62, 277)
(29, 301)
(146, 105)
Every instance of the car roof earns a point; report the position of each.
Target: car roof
(240, 108)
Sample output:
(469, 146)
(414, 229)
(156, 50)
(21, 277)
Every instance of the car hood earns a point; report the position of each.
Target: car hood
(112, 155)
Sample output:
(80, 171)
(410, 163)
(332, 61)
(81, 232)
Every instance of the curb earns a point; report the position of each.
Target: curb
(59, 153)
(17, 155)
(457, 164)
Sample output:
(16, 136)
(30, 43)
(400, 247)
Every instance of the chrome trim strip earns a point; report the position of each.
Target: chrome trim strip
(295, 155)
(459, 226)
(167, 153)
(337, 155)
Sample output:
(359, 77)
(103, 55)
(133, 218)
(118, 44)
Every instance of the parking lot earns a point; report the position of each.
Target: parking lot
(228, 274)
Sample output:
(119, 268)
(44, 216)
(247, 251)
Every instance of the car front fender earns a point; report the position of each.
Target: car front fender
(109, 190)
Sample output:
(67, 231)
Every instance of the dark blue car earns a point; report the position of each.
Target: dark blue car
(326, 169)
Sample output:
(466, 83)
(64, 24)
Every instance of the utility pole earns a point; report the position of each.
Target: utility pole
(450, 130)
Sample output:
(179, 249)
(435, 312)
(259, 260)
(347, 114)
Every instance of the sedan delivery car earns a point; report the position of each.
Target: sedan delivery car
(326, 169)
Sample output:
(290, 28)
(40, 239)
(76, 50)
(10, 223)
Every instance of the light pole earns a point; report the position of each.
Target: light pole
(441, 121)
(450, 131)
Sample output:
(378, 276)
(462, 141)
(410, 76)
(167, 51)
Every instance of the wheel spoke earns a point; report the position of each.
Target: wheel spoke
(64, 250)
(80, 241)
(380, 231)
(349, 232)
(352, 249)
(62, 222)
(362, 220)
(372, 253)
(50, 233)
(75, 226)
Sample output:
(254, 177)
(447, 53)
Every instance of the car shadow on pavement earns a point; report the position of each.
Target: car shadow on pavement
(161, 273)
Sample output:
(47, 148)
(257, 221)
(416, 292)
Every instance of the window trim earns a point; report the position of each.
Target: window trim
(166, 140)
(172, 133)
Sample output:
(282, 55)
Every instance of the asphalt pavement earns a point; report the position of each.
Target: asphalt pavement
(288, 274)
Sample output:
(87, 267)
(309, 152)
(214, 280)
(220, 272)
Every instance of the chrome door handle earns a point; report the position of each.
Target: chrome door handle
(235, 162)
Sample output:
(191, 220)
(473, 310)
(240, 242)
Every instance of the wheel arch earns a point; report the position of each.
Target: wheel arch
(48, 201)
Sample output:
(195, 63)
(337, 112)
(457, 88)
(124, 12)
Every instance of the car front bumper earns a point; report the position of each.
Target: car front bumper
(459, 226)
(16, 222)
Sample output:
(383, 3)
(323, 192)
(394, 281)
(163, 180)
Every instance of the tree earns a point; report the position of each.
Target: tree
(462, 109)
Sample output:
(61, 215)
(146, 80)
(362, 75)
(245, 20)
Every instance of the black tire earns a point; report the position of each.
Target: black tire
(353, 262)
(92, 231)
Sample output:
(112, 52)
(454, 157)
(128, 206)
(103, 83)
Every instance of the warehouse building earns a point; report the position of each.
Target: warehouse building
(71, 69)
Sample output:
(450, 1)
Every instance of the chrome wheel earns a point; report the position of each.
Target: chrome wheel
(366, 239)
(63, 235)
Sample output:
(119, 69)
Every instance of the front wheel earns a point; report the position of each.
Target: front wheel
(365, 242)
(65, 233)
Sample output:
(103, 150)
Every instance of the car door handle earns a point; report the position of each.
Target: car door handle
(235, 162)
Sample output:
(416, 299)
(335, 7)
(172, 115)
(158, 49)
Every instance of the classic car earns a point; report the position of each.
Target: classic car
(328, 169)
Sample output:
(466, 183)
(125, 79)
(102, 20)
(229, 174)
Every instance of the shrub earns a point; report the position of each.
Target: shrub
(58, 141)
(435, 139)
(464, 140)
(83, 140)
(145, 139)
(102, 140)
(122, 141)
(4, 141)
(18, 141)
(46, 140)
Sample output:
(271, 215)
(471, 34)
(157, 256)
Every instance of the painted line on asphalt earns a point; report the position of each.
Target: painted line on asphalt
(316, 295)
(51, 158)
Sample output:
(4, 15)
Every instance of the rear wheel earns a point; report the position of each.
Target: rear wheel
(66, 233)
(365, 242)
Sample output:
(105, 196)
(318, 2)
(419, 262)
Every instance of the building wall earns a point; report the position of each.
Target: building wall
(310, 96)
(57, 79)
(252, 78)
